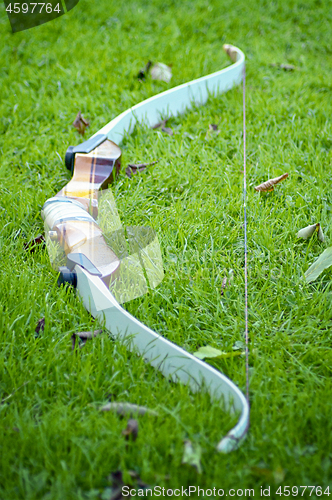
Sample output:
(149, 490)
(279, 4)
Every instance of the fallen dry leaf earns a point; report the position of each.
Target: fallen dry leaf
(161, 71)
(34, 243)
(285, 67)
(321, 236)
(211, 352)
(40, 326)
(131, 429)
(213, 128)
(134, 168)
(238, 344)
(128, 409)
(144, 72)
(159, 124)
(227, 281)
(269, 185)
(163, 127)
(192, 455)
(167, 130)
(308, 231)
(84, 336)
(80, 123)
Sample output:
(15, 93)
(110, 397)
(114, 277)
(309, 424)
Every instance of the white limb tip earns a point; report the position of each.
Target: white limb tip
(228, 443)
(231, 51)
(308, 231)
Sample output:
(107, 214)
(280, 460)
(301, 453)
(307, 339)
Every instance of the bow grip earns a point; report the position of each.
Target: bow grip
(68, 222)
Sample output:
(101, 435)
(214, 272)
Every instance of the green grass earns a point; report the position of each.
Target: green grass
(54, 442)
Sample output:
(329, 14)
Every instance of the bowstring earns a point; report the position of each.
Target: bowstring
(245, 235)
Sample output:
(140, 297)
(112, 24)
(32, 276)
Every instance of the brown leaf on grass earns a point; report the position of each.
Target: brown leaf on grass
(134, 168)
(167, 130)
(213, 128)
(223, 286)
(159, 124)
(163, 127)
(128, 409)
(34, 243)
(80, 123)
(40, 326)
(84, 336)
(131, 429)
(144, 71)
(269, 185)
(227, 281)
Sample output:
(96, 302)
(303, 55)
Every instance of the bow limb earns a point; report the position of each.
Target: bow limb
(177, 100)
(91, 265)
(172, 361)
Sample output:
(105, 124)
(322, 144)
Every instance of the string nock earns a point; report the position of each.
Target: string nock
(231, 52)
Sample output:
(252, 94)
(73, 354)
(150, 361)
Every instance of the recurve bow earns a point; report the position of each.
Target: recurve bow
(91, 267)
